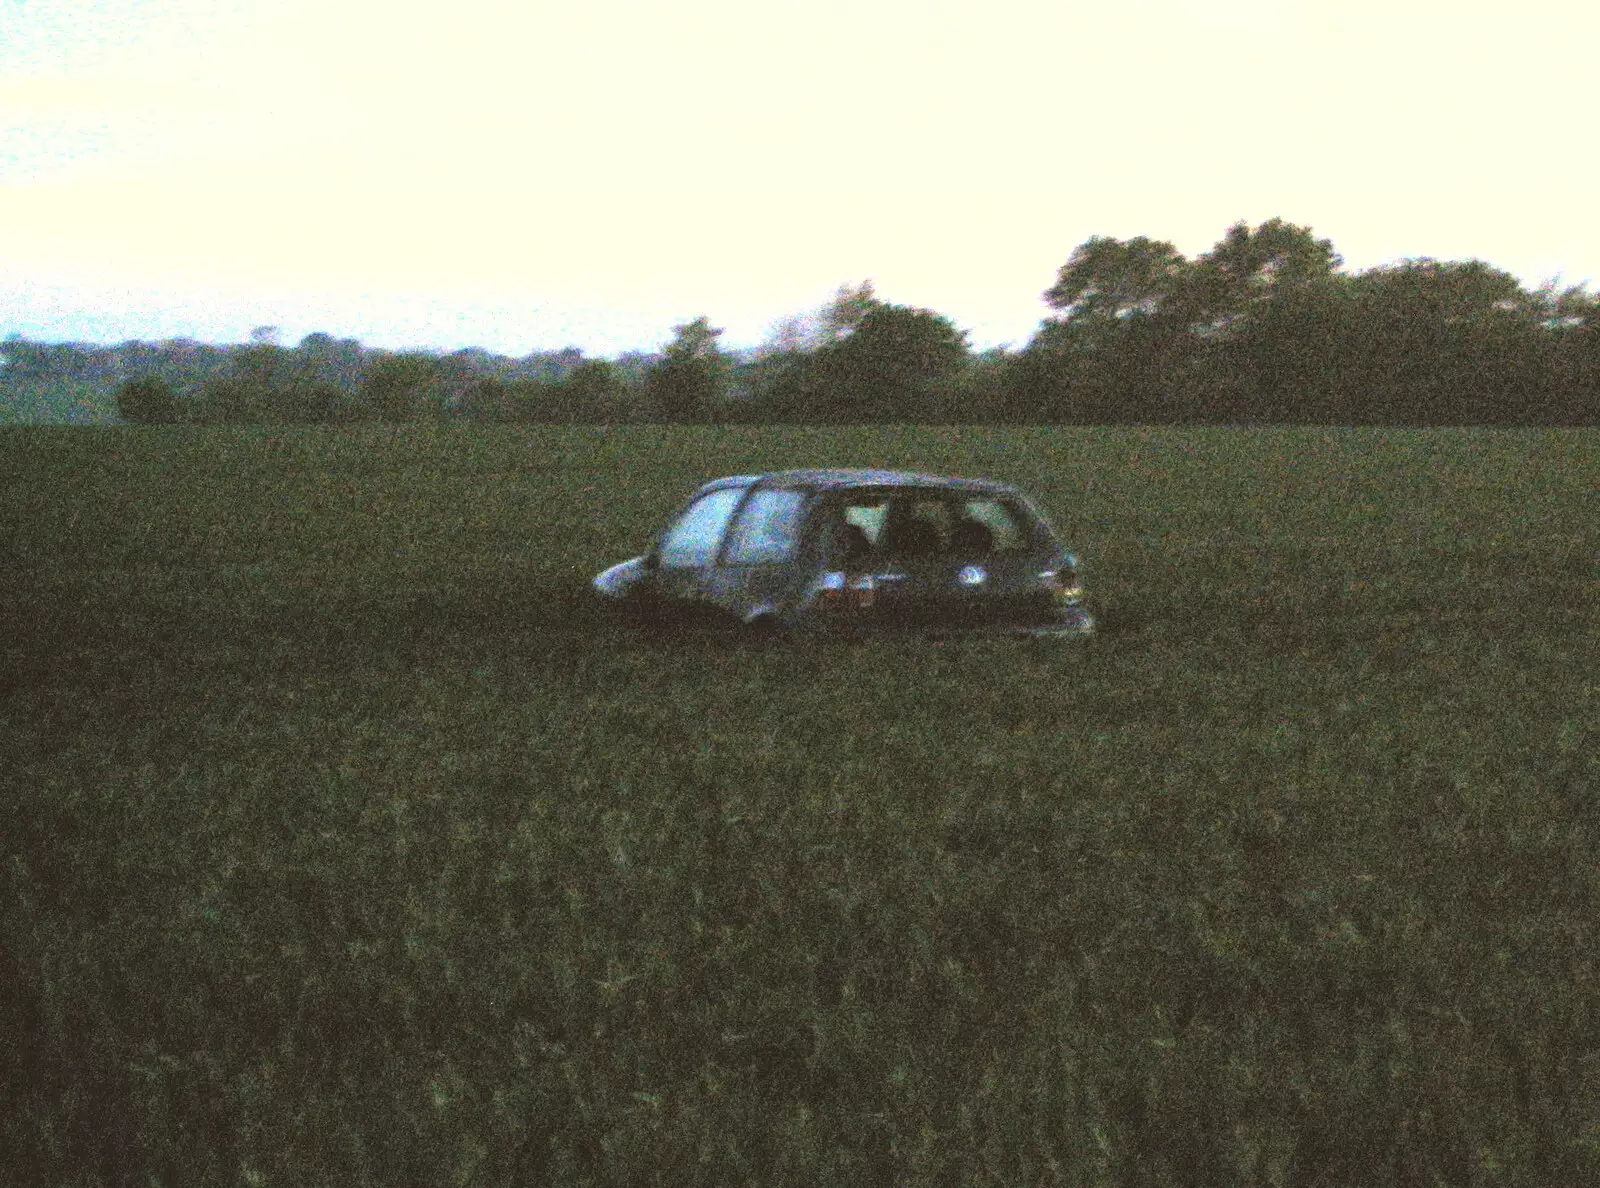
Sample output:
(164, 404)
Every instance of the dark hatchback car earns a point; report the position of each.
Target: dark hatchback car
(848, 552)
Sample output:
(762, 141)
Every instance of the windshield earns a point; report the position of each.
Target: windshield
(693, 540)
(768, 529)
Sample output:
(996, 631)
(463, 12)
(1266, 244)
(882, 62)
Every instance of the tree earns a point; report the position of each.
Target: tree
(822, 327)
(1072, 373)
(487, 400)
(333, 360)
(1108, 280)
(788, 336)
(859, 359)
(406, 386)
(309, 401)
(1119, 347)
(231, 400)
(592, 392)
(691, 375)
(1142, 333)
(1440, 342)
(258, 387)
(1257, 304)
(892, 366)
(837, 320)
(982, 395)
(1247, 268)
(1571, 321)
(1118, 342)
(260, 367)
(147, 400)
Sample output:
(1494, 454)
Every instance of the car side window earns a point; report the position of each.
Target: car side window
(694, 539)
(919, 526)
(768, 528)
(856, 528)
(1005, 533)
(868, 517)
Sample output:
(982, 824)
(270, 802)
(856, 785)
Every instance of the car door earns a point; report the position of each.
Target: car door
(884, 543)
(911, 579)
(685, 556)
(757, 572)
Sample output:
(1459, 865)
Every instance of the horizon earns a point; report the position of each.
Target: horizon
(289, 332)
(524, 182)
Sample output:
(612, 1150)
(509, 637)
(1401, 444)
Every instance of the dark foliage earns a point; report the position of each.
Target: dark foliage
(1264, 328)
(685, 384)
(148, 400)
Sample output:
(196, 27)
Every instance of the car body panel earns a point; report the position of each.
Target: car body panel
(850, 552)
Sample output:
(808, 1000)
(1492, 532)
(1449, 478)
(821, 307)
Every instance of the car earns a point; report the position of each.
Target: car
(848, 552)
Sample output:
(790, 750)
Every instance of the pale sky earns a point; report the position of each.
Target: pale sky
(524, 176)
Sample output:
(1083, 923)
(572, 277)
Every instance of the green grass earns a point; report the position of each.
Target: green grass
(341, 843)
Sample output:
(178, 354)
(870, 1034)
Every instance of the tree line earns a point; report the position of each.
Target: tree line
(1266, 327)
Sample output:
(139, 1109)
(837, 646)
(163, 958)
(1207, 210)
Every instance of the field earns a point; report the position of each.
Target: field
(340, 842)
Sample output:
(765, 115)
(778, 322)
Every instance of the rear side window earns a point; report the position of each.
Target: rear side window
(919, 526)
(868, 516)
(768, 529)
(993, 524)
(694, 539)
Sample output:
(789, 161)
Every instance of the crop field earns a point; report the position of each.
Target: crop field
(343, 842)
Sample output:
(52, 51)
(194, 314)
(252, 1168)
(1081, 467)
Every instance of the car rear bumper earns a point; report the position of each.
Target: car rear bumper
(1074, 623)
(1077, 622)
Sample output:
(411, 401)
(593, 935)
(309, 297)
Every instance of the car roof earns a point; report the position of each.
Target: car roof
(844, 478)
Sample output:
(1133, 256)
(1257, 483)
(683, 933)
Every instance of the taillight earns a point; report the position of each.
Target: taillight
(1063, 581)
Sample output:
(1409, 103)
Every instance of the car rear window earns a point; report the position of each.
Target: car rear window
(768, 528)
(921, 523)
